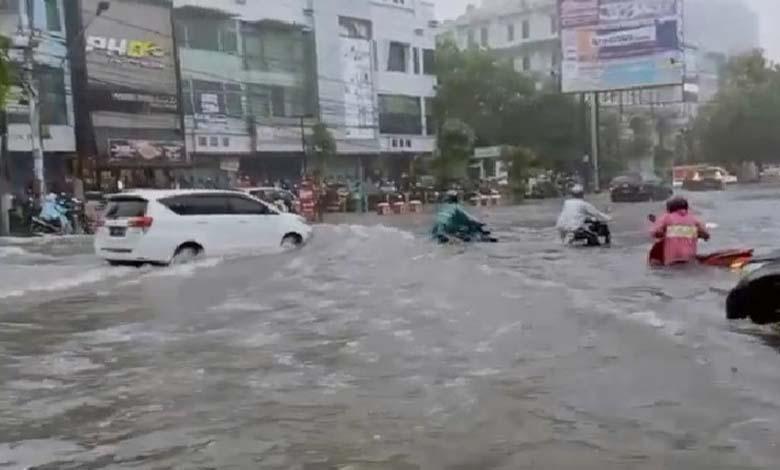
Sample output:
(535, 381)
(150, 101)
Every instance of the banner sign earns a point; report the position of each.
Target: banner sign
(132, 82)
(620, 44)
(137, 151)
(129, 53)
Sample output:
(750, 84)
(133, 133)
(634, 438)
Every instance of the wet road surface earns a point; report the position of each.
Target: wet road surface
(373, 349)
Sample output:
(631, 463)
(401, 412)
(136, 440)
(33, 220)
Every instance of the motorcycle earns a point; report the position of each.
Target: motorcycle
(473, 234)
(595, 233)
(74, 212)
(730, 258)
(755, 296)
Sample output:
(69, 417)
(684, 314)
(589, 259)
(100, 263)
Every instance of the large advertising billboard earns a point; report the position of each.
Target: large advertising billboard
(620, 44)
(131, 79)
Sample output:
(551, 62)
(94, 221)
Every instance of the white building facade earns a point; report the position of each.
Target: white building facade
(52, 70)
(247, 81)
(523, 32)
(376, 79)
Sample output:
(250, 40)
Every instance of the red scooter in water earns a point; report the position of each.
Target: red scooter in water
(733, 258)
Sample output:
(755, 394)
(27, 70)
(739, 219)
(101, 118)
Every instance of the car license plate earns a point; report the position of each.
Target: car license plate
(117, 231)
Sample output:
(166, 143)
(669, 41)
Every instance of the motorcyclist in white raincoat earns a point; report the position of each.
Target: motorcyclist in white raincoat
(576, 212)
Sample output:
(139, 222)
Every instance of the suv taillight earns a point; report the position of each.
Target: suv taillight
(140, 222)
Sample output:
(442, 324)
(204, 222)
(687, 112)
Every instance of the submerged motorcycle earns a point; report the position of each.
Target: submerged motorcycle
(476, 234)
(730, 258)
(593, 234)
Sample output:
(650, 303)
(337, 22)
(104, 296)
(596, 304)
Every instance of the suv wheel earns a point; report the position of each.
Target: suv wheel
(291, 241)
(186, 254)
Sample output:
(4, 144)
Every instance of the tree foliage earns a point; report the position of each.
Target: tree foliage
(504, 107)
(320, 147)
(455, 148)
(741, 123)
(5, 70)
(520, 161)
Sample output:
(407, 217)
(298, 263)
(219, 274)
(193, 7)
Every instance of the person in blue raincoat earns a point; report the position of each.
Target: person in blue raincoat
(452, 221)
(52, 210)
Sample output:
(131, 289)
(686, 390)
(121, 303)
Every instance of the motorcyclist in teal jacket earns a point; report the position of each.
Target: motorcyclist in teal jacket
(452, 221)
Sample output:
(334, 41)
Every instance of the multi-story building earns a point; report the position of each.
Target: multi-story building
(51, 68)
(376, 80)
(171, 90)
(524, 32)
(247, 81)
(125, 87)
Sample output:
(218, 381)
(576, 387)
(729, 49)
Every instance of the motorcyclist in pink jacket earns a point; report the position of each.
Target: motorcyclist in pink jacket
(680, 231)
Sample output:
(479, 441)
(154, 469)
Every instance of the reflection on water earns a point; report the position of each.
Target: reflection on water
(374, 349)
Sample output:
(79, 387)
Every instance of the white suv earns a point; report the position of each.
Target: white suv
(160, 227)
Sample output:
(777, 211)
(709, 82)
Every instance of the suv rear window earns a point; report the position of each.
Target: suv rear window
(125, 207)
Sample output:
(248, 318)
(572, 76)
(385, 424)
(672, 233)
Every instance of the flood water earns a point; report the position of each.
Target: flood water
(371, 348)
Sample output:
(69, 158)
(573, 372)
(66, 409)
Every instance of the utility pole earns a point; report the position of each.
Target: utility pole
(33, 104)
(305, 163)
(594, 139)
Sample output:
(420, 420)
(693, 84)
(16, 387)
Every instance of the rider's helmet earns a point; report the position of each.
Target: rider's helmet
(451, 197)
(577, 191)
(676, 204)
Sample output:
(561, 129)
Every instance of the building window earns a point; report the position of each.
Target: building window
(52, 98)
(354, 28)
(271, 49)
(429, 62)
(204, 97)
(416, 60)
(275, 101)
(526, 29)
(484, 36)
(553, 24)
(399, 114)
(9, 6)
(470, 42)
(526, 63)
(186, 92)
(53, 20)
(210, 34)
(51, 88)
(510, 32)
(430, 121)
(397, 57)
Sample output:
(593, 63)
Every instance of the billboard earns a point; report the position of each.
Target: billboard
(124, 150)
(132, 81)
(620, 44)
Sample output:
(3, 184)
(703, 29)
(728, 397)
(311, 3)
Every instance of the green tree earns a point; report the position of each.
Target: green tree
(521, 161)
(320, 147)
(742, 121)
(5, 70)
(455, 148)
(504, 107)
(641, 142)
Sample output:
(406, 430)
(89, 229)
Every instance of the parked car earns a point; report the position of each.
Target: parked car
(705, 179)
(282, 199)
(635, 188)
(164, 227)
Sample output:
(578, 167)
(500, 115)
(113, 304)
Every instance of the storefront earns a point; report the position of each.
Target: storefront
(130, 89)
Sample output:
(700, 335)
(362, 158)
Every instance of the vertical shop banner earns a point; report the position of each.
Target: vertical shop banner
(620, 44)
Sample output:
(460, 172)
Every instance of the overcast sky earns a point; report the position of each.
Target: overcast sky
(768, 12)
